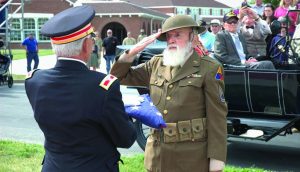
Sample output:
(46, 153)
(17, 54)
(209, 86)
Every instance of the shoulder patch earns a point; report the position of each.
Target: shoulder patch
(30, 73)
(107, 81)
(219, 74)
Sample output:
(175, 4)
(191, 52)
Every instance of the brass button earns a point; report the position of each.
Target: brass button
(165, 112)
(171, 86)
(190, 82)
(168, 98)
(155, 82)
(170, 131)
(184, 130)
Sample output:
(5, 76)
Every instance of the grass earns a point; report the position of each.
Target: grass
(17, 156)
(21, 54)
(18, 77)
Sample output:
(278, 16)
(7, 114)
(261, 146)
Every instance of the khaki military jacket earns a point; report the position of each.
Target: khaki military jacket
(192, 104)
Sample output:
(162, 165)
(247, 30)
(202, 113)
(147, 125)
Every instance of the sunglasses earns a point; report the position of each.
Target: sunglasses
(232, 22)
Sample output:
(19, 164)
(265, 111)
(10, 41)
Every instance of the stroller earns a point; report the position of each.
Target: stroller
(5, 73)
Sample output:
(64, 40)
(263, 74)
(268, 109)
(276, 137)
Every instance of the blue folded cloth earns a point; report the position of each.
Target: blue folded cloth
(146, 112)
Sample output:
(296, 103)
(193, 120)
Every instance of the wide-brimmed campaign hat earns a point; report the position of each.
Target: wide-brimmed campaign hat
(177, 22)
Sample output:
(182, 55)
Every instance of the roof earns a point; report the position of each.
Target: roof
(123, 8)
(71, 1)
(174, 3)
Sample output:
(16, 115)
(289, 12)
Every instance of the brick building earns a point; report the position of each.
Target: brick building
(120, 16)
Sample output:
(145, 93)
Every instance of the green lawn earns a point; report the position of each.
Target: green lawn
(21, 54)
(18, 77)
(17, 156)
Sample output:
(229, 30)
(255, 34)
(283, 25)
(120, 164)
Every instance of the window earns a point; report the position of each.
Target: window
(15, 34)
(180, 10)
(205, 11)
(216, 12)
(30, 25)
(226, 10)
(41, 22)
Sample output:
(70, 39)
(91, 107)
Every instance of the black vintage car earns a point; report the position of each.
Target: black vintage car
(262, 103)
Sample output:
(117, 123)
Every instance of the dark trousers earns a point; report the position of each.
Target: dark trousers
(32, 56)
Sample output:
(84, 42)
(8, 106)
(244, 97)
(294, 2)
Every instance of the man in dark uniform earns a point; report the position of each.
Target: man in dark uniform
(80, 112)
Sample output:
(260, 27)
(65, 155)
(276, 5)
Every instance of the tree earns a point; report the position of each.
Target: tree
(275, 3)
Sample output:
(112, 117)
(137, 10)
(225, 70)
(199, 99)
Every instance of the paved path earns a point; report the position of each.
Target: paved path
(17, 122)
(46, 62)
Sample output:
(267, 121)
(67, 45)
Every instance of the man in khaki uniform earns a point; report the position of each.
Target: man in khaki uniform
(129, 40)
(141, 35)
(188, 89)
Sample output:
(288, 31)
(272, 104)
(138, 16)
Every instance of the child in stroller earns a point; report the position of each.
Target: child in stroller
(5, 75)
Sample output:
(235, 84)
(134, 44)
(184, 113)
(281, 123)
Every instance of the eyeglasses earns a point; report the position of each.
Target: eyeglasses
(232, 22)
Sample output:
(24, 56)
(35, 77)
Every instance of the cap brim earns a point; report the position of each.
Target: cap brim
(162, 37)
(231, 17)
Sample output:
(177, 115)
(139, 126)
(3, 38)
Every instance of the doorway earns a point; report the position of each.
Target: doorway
(118, 30)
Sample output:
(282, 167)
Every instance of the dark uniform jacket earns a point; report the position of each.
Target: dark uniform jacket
(225, 50)
(193, 106)
(82, 122)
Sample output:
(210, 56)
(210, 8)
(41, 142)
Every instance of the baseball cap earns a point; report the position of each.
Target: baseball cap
(229, 15)
(215, 21)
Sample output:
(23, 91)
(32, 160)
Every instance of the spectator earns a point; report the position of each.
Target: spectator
(141, 35)
(268, 16)
(215, 26)
(230, 46)
(258, 7)
(80, 112)
(279, 49)
(195, 141)
(129, 40)
(206, 37)
(98, 42)
(109, 51)
(31, 47)
(93, 61)
(282, 11)
(255, 31)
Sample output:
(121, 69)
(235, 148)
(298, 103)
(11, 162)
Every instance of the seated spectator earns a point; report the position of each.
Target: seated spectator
(215, 26)
(255, 31)
(279, 49)
(206, 37)
(230, 46)
(282, 11)
(268, 16)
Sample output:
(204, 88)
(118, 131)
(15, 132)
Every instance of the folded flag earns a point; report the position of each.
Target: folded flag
(146, 112)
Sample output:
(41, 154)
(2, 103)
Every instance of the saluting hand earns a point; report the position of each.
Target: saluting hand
(140, 46)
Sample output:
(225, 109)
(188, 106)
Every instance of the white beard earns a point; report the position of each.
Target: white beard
(176, 57)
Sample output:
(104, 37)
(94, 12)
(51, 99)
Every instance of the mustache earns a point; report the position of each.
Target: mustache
(172, 46)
